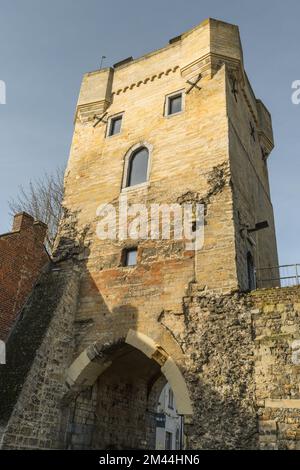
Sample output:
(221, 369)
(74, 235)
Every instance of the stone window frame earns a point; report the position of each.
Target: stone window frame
(167, 101)
(109, 124)
(129, 154)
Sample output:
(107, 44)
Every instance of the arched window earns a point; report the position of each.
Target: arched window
(137, 171)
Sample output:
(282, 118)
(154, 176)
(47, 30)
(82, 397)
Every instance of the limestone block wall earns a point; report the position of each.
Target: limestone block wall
(189, 305)
(189, 161)
(185, 148)
(95, 94)
(249, 173)
(276, 317)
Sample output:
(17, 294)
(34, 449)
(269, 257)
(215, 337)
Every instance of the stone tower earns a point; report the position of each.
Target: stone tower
(117, 318)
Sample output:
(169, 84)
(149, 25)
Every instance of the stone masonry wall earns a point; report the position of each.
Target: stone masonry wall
(184, 150)
(241, 365)
(121, 413)
(80, 423)
(276, 315)
(189, 304)
(242, 368)
(219, 370)
(38, 354)
(250, 184)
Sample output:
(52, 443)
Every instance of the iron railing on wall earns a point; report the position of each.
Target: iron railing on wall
(286, 275)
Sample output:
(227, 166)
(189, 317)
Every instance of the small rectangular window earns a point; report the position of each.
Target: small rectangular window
(174, 104)
(129, 257)
(115, 125)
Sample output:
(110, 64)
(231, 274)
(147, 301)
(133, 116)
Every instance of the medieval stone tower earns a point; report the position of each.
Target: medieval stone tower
(112, 320)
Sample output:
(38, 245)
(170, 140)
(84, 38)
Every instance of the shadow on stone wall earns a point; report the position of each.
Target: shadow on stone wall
(218, 360)
(220, 422)
(219, 351)
(26, 338)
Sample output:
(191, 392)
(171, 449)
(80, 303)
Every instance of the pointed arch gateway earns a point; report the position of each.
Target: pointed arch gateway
(125, 379)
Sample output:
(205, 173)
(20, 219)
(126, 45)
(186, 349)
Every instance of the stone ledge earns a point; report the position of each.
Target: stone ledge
(282, 403)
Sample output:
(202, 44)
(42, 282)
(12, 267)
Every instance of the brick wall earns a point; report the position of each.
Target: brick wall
(22, 256)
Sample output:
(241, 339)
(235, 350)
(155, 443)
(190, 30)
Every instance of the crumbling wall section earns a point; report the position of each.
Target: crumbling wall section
(242, 367)
(219, 369)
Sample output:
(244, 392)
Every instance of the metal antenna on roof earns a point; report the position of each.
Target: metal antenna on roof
(102, 58)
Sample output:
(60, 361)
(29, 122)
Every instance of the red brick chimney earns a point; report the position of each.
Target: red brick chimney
(21, 221)
(22, 257)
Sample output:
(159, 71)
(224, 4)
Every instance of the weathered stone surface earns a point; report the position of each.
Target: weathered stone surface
(225, 352)
(277, 326)
(39, 350)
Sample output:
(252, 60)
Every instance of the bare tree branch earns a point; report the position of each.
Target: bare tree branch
(42, 199)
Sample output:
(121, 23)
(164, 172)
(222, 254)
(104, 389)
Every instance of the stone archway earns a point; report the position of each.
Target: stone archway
(117, 385)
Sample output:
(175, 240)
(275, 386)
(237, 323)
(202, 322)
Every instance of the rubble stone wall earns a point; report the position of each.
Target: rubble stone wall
(38, 353)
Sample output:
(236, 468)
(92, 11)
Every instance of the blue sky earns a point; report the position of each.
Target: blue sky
(46, 46)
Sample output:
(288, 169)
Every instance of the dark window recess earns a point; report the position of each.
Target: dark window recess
(168, 443)
(129, 257)
(115, 125)
(177, 439)
(175, 104)
(251, 272)
(138, 167)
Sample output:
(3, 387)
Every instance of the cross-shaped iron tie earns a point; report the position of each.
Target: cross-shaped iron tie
(100, 119)
(252, 131)
(194, 84)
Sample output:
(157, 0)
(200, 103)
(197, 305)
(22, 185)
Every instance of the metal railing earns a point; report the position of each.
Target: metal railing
(286, 275)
